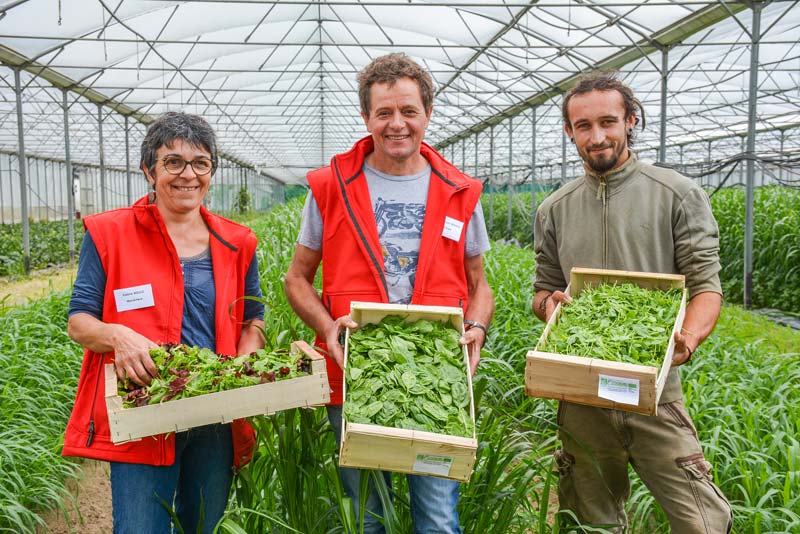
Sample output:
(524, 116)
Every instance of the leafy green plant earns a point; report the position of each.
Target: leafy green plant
(49, 245)
(621, 322)
(242, 201)
(408, 375)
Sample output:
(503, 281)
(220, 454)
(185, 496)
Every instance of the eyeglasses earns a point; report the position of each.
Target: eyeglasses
(176, 165)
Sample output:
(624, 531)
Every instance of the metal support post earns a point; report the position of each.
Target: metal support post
(510, 191)
(533, 171)
(755, 34)
(780, 167)
(102, 158)
(464, 154)
(563, 156)
(476, 155)
(708, 176)
(741, 163)
(491, 179)
(662, 150)
(70, 190)
(128, 185)
(23, 175)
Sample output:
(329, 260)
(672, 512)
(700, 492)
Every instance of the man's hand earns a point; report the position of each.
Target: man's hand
(473, 339)
(335, 349)
(132, 356)
(545, 302)
(683, 344)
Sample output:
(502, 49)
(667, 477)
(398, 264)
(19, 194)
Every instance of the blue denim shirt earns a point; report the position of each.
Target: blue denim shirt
(199, 293)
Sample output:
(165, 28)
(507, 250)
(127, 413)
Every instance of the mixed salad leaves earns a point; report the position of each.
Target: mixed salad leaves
(185, 371)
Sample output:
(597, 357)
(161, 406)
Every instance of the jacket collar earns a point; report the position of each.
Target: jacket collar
(616, 178)
(351, 162)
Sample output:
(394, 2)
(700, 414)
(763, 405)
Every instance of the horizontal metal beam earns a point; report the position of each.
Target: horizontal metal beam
(668, 37)
(13, 58)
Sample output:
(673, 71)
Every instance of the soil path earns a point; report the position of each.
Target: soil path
(89, 510)
(38, 285)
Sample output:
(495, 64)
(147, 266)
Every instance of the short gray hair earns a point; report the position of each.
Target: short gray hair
(173, 126)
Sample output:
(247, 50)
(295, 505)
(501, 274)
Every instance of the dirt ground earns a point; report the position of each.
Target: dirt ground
(90, 512)
(39, 284)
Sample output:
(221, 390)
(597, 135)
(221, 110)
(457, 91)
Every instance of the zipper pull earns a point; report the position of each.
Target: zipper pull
(91, 433)
(601, 190)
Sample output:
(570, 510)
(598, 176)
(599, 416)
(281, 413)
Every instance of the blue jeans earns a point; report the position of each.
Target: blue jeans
(433, 500)
(200, 478)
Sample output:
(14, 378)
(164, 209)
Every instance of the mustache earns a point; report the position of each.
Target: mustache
(600, 147)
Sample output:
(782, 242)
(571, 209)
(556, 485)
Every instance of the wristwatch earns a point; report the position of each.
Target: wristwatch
(476, 324)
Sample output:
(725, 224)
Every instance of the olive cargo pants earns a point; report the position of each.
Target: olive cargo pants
(598, 444)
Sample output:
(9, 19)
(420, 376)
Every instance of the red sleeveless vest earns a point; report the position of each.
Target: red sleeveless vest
(135, 249)
(352, 262)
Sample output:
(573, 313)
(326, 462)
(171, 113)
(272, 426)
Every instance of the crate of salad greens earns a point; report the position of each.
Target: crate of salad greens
(612, 345)
(198, 387)
(408, 404)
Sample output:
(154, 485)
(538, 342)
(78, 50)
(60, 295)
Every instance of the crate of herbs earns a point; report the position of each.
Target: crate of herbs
(408, 404)
(612, 345)
(198, 387)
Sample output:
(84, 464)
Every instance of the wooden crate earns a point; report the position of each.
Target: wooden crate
(596, 382)
(179, 415)
(408, 451)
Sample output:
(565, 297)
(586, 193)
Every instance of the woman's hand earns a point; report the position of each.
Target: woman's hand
(132, 356)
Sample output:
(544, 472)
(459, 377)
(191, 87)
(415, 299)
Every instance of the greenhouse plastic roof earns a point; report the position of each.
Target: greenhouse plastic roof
(277, 79)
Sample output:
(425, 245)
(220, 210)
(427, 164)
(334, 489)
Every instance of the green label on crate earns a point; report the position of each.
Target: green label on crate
(618, 389)
(433, 464)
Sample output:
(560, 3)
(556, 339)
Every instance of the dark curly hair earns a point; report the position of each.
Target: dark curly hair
(389, 69)
(606, 81)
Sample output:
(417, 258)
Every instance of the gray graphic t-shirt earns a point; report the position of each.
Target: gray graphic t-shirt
(398, 203)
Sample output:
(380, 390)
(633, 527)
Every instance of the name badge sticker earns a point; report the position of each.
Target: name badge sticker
(618, 389)
(452, 228)
(134, 298)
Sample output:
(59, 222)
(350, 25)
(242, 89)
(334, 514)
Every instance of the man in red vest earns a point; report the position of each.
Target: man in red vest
(392, 221)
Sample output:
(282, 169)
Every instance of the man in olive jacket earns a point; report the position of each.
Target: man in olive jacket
(625, 214)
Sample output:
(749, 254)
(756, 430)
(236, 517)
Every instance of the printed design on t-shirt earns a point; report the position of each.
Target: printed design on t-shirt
(400, 231)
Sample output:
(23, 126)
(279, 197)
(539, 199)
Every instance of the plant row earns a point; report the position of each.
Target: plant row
(49, 245)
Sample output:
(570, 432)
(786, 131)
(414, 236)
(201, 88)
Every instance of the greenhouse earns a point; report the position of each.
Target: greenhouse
(719, 86)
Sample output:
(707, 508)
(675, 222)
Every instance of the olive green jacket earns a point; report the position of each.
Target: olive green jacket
(636, 218)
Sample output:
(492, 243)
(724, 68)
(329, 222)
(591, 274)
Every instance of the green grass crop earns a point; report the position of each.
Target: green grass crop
(776, 246)
(39, 368)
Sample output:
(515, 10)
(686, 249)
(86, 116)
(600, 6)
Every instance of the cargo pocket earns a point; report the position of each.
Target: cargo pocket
(713, 509)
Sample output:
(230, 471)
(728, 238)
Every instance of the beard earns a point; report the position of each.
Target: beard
(602, 163)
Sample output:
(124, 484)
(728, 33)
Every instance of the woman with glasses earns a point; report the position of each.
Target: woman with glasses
(164, 270)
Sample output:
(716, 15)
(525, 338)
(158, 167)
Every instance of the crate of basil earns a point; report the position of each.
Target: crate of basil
(408, 404)
(619, 354)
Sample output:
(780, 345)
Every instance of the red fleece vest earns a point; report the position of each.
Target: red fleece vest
(135, 249)
(352, 262)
